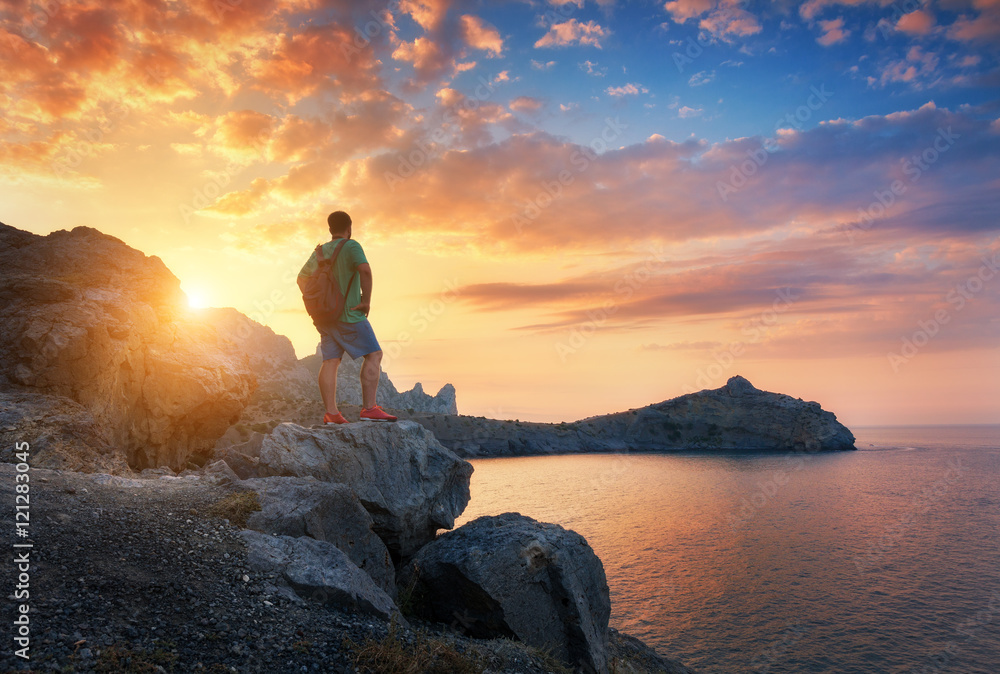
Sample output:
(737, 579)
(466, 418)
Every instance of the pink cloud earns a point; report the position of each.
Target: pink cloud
(833, 32)
(813, 8)
(724, 18)
(984, 27)
(682, 10)
(919, 22)
(571, 32)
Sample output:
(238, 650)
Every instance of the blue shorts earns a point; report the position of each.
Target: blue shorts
(357, 339)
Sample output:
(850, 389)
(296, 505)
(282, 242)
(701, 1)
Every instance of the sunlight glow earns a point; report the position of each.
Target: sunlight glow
(197, 299)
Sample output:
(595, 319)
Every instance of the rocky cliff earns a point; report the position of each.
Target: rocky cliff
(90, 320)
(735, 417)
(347, 511)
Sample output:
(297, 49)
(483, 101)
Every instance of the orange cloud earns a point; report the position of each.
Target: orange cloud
(244, 133)
(479, 35)
(298, 139)
(426, 55)
(244, 202)
(428, 13)
(526, 104)
(309, 61)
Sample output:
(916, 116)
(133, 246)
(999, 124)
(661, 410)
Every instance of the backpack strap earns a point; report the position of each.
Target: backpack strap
(333, 258)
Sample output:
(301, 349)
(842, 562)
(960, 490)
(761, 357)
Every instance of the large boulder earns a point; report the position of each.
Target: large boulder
(409, 483)
(318, 571)
(90, 319)
(511, 576)
(60, 432)
(325, 511)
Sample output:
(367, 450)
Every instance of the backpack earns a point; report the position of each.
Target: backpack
(321, 292)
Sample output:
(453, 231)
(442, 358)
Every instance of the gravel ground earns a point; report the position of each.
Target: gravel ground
(134, 575)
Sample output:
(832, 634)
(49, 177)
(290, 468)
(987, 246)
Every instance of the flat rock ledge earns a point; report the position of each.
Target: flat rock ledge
(409, 483)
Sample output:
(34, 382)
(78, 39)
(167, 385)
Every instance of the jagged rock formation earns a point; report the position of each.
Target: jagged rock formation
(511, 576)
(349, 390)
(90, 319)
(287, 387)
(407, 481)
(735, 417)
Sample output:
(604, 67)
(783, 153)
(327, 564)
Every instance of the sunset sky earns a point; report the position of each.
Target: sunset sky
(570, 207)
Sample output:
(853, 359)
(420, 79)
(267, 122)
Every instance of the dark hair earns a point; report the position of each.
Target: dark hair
(338, 222)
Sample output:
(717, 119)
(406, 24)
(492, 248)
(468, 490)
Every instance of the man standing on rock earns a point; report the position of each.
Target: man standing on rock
(352, 332)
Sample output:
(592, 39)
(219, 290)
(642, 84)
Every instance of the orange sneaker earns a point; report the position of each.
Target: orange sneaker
(375, 414)
(337, 418)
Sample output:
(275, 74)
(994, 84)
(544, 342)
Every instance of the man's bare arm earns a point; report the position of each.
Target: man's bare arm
(365, 271)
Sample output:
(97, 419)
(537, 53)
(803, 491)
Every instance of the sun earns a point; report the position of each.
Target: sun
(197, 299)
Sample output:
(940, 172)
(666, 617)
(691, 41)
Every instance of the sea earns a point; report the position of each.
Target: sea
(884, 559)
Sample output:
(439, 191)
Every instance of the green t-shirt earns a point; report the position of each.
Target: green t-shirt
(346, 268)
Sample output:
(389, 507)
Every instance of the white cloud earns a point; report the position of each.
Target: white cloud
(700, 78)
(630, 89)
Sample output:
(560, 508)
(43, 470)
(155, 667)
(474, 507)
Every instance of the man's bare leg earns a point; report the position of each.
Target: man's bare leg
(370, 370)
(328, 384)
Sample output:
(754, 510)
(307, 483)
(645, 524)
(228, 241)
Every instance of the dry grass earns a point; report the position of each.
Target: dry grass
(425, 655)
(236, 507)
(120, 660)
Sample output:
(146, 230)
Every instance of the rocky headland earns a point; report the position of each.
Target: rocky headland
(734, 417)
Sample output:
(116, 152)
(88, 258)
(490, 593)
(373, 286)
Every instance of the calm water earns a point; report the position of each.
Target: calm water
(882, 560)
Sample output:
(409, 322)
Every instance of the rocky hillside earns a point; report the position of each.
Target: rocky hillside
(210, 602)
(100, 355)
(735, 417)
(104, 363)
